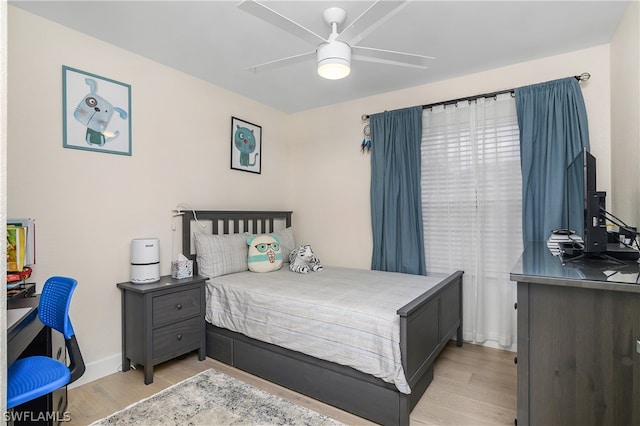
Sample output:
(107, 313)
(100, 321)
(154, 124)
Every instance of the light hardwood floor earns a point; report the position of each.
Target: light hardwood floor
(473, 385)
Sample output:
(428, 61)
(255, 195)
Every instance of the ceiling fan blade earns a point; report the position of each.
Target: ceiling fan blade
(374, 16)
(269, 15)
(281, 62)
(392, 57)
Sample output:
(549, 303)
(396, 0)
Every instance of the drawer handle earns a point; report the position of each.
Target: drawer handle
(179, 307)
(179, 337)
(59, 353)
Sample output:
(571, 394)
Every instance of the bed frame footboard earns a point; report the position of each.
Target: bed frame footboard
(426, 325)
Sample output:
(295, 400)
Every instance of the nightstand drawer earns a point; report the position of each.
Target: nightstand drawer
(173, 307)
(177, 338)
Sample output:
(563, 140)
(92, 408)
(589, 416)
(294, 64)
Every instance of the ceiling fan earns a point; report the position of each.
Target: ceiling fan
(334, 54)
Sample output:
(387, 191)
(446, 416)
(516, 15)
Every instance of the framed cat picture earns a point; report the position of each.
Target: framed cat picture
(246, 146)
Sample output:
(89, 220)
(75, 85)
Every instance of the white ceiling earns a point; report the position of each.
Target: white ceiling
(217, 42)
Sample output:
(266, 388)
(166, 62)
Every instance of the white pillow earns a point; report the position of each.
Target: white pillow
(221, 254)
(287, 242)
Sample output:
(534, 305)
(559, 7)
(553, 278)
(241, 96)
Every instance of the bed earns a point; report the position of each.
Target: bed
(424, 324)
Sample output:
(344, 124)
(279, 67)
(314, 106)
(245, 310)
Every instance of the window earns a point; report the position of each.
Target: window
(471, 205)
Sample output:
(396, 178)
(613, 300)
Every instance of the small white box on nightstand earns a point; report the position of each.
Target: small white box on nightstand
(181, 268)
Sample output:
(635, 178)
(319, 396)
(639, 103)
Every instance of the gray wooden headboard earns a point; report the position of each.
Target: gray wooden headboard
(229, 222)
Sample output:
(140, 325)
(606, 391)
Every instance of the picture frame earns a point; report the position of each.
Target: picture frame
(246, 146)
(96, 113)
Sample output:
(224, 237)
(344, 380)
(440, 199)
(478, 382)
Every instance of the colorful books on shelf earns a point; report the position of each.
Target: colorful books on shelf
(16, 248)
(21, 244)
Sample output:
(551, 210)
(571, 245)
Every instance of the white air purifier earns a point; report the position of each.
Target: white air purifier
(145, 260)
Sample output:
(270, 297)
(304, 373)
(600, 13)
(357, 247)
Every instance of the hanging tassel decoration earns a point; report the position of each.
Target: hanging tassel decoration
(366, 143)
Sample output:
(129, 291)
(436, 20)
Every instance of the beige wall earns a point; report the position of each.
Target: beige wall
(3, 201)
(625, 117)
(89, 205)
(326, 157)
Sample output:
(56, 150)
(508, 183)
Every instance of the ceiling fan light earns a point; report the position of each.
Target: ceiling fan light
(333, 69)
(334, 60)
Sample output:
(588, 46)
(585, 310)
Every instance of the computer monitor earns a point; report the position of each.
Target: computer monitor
(585, 205)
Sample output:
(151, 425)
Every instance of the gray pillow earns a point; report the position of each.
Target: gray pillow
(221, 254)
(287, 242)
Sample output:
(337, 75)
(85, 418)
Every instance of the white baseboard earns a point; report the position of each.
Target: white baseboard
(495, 345)
(98, 369)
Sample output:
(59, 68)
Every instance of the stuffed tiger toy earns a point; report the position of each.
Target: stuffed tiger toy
(302, 260)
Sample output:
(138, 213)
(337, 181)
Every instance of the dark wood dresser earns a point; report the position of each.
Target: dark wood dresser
(161, 321)
(578, 340)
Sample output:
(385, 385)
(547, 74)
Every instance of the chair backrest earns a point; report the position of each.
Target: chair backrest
(53, 311)
(55, 300)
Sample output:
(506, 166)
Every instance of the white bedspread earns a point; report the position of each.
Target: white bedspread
(346, 316)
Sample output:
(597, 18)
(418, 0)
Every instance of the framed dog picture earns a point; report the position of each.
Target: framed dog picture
(96, 113)
(246, 146)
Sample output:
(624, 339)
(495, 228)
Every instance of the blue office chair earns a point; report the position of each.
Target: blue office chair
(31, 377)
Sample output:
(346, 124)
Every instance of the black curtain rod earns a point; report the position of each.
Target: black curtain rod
(582, 77)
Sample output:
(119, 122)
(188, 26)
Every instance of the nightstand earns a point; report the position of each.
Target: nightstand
(161, 321)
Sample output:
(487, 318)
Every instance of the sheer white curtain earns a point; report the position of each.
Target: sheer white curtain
(471, 205)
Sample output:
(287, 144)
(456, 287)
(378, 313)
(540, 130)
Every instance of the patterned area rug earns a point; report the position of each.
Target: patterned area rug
(213, 398)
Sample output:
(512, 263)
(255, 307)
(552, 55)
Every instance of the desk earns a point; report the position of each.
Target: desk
(578, 340)
(22, 333)
(27, 337)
